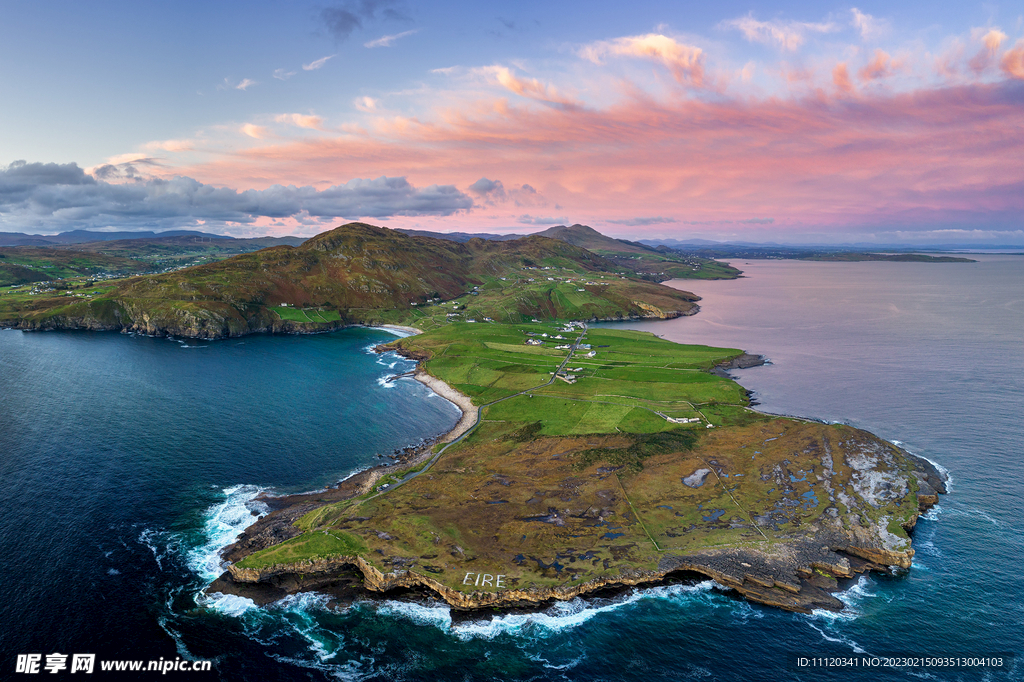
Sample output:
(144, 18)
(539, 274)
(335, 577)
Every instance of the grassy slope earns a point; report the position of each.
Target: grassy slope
(363, 274)
(574, 482)
(177, 251)
(24, 264)
(657, 264)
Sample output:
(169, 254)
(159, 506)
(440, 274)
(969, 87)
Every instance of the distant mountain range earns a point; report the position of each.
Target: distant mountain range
(579, 235)
(698, 244)
(83, 236)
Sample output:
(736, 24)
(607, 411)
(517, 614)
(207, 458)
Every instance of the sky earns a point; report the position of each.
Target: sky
(791, 122)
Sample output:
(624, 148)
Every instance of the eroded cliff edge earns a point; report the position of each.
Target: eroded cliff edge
(829, 502)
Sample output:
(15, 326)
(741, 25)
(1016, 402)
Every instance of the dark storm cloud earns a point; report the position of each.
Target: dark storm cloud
(61, 196)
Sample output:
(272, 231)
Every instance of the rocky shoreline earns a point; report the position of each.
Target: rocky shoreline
(210, 326)
(799, 576)
(277, 526)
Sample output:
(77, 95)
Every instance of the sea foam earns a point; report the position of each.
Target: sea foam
(561, 616)
(225, 521)
(228, 604)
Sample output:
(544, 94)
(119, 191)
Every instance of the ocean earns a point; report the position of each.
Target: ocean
(128, 462)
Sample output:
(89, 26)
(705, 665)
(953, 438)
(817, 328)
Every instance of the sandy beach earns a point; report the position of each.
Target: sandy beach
(408, 331)
(469, 410)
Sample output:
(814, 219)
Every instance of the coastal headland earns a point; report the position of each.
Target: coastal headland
(357, 274)
(586, 459)
(618, 460)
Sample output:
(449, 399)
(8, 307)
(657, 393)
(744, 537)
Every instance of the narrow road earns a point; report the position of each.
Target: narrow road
(479, 414)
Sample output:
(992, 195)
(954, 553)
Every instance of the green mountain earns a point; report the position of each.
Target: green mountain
(361, 274)
(657, 263)
(592, 240)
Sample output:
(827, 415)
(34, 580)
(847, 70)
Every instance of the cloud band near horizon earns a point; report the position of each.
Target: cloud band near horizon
(50, 196)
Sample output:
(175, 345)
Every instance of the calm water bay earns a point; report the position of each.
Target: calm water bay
(127, 462)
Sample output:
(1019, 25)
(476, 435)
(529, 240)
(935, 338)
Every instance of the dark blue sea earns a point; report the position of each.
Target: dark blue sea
(127, 462)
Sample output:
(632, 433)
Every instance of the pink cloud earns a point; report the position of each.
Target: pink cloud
(812, 161)
(991, 41)
(255, 131)
(301, 121)
(841, 78)
(881, 66)
(842, 151)
(787, 35)
(529, 87)
(1013, 61)
(686, 62)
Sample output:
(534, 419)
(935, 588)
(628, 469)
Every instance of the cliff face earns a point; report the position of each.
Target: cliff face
(208, 321)
(798, 576)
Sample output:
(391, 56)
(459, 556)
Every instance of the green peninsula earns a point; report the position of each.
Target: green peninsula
(599, 458)
(586, 458)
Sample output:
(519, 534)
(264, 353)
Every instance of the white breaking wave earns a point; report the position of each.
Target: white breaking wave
(831, 621)
(974, 513)
(560, 616)
(302, 601)
(228, 604)
(839, 638)
(224, 523)
(851, 598)
(944, 471)
(297, 608)
(941, 469)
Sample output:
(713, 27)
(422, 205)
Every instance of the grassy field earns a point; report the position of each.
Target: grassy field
(314, 544)
(306, 314)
